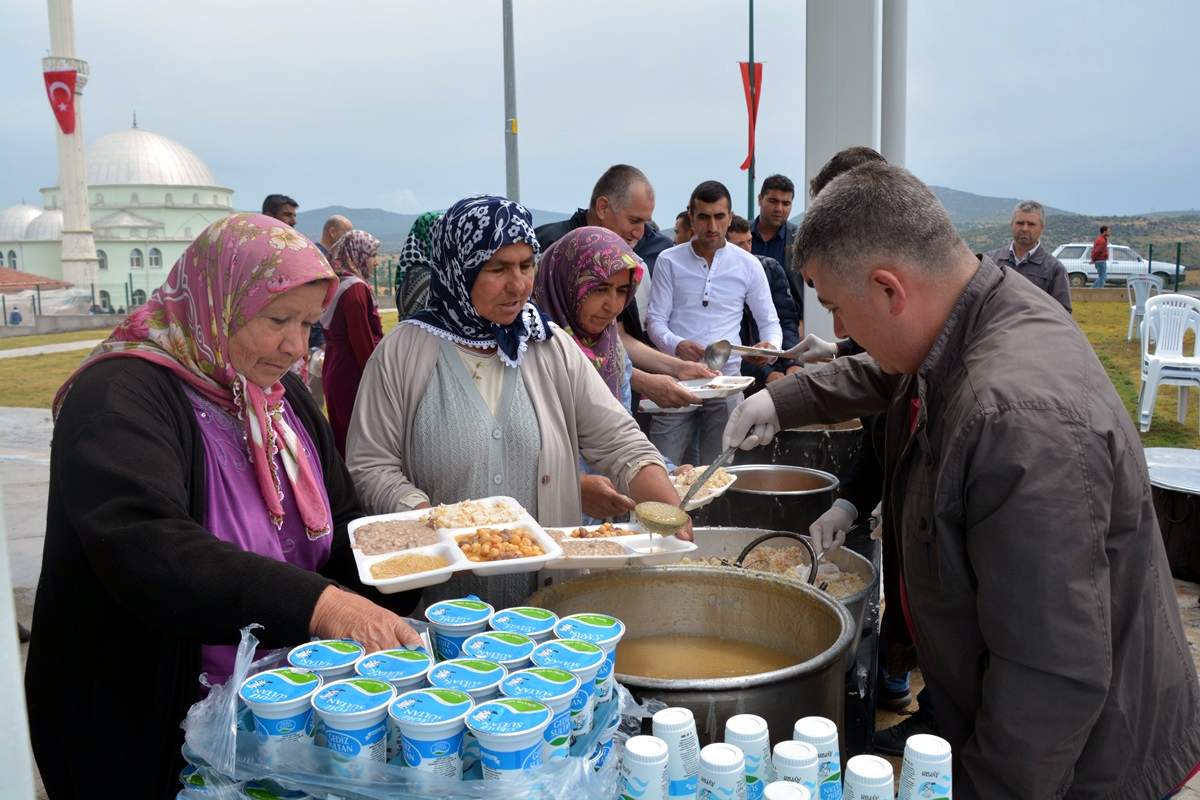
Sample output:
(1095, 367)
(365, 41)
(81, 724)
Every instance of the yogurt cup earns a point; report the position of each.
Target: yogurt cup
(265, 790)
(509, 650)
(403, 669)
(279, 701)
(786, 790)
(478, 678)
(749, 732)
(510, 734)
(927, 770)
(797, 762)
(822, 734)
(584, 659)
(602, 630)
(677, 727)
(722, 772)
(643, 768)
(868, 778)
(536, 623)
(453, 621)
(332, 659)
(205, 785)
(353, 714)
(554, 687)
(432, 724)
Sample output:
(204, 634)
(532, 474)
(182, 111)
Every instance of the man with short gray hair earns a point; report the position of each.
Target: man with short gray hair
(1026, 255)
(1032, 571)
(335, 228)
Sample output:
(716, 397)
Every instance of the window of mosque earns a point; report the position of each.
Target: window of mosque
(99, 198)
(139, 297)
(105, 300)
(187, 233)
(133, 198)
(195, 198)
(169, 200)
(155, 257)
(103, 258)
(135, 258)
(12, 259)
(216, 202)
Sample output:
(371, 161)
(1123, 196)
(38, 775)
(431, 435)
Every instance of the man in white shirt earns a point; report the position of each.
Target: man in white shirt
(697, 295)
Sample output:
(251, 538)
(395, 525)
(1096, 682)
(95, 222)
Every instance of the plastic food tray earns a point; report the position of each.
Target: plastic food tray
(448, 549)
(706, 494)
(641, 550)
(720, 386)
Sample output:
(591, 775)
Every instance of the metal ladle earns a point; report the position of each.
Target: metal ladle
(717, 353)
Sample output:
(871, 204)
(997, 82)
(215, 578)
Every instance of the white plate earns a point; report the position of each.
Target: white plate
(598, 562)
(706, 495)
(651, 407)
(418, 580)
(644, 550)
(658, 550)
(720, 386)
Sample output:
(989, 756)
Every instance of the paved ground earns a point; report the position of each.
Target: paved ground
(64, 347)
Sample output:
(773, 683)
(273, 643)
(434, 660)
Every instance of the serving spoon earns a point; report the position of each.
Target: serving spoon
(717, 353)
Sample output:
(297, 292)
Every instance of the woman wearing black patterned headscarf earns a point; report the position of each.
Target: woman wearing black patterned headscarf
(480, 395)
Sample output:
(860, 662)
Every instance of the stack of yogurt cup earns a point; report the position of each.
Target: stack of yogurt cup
(536, 623)
(404, 670)
(431, 724)
(603, 631)
(582, 659)
(478, 678)
(454, 621)
(557, 689)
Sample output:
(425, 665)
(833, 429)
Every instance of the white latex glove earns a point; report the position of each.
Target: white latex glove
(877, 521)
(814, 348)
(753, 423)
(829, 531)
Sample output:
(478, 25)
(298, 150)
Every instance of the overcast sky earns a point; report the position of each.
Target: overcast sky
(1088, 106)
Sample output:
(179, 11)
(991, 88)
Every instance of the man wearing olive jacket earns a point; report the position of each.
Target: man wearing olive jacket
(1034, 577)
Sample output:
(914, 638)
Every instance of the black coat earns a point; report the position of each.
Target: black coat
(132, 584)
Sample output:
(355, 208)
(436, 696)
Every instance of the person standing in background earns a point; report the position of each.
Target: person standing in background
(683, 228)
(771, 234)
(1026, 255)
(789, 317)
(1100, 257)
(281, 207)
(334, 228)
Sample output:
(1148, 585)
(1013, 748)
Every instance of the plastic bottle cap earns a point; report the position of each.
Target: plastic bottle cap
(926, 747)
(785, 790)
(673, 720)
(795, 754)
(721, 757)
(645, 750)
(746, 727)
(869, 771)
(815, 729)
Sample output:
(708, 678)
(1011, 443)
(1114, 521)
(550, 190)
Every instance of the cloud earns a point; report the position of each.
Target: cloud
(402, 201)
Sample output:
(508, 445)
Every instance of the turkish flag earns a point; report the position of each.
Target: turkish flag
(751, 102)
(60, 88)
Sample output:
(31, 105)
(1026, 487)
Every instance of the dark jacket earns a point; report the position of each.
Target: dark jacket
(789, 320)
(1046, 272)
(779, 247)
(652, 243)
(1039, 590)
(132, 584)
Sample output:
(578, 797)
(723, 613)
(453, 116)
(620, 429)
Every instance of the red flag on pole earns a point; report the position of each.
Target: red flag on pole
(60, 88)
(751, 102)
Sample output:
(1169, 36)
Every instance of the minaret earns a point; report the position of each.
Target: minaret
(79, 262)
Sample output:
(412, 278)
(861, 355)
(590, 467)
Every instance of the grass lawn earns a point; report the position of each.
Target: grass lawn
(31, 381)
(36, 340)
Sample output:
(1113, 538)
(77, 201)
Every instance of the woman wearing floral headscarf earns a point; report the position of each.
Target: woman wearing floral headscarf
(480, 395)
(415, 268)
(194, 489)
(352, 327)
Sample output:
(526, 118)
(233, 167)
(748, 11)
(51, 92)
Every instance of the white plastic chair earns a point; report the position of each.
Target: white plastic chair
(1168, 319)
(1140, 289)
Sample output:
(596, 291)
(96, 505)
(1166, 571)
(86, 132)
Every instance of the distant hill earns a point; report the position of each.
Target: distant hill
(969, 209)
(1138, 232)
(391, 228)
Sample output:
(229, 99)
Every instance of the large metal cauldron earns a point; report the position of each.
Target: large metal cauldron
(830, 448)
(744, 606)
(727, 543)
(774, 497)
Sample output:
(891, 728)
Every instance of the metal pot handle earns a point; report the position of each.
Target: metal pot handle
(812, 554)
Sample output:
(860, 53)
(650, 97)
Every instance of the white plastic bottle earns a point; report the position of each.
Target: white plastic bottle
(869, 778)
(822, 734)
(750, 733)
(643, 769)
(797, 762)
(926, 772)
(677, 727)
(722, 773)
(785, 790)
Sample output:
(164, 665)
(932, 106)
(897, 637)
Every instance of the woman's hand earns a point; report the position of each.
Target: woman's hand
(345, 615)
(665, 391)
(601, 499)
(651, 483)
(691, 370)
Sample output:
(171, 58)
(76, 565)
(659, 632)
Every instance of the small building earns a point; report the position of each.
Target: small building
(149, 197)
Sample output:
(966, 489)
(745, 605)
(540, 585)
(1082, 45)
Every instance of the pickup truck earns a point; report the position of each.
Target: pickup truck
(1123, 262)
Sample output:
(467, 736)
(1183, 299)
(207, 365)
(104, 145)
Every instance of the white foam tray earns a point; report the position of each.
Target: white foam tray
(720, 386)
(706, 494)
(641, 550)
(448, 548)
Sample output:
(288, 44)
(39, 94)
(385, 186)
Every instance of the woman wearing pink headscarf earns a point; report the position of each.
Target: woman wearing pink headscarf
(352, 328)
(194, 489)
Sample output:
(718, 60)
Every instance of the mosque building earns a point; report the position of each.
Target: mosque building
(148, 197)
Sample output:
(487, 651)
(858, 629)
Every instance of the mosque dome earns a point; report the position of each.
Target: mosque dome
(15, 220)
(47, 226)
(139, 157)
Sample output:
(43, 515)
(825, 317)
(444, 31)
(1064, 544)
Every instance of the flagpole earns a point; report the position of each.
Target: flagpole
(511, 173)
(753, 95)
